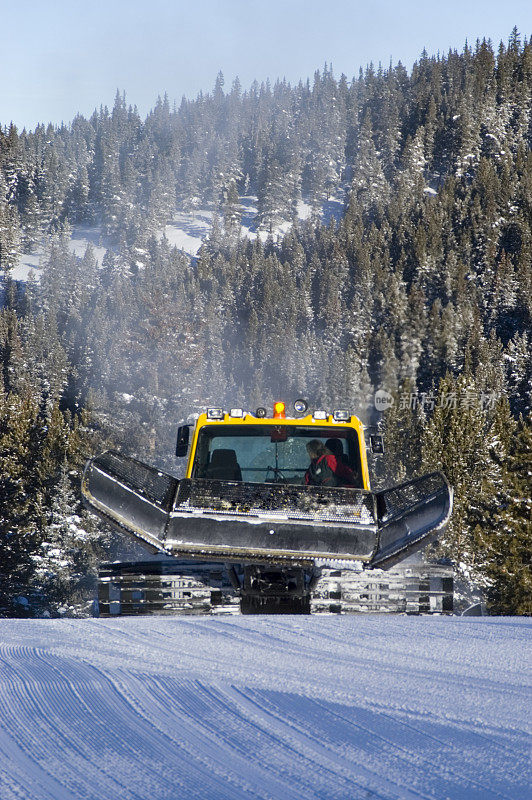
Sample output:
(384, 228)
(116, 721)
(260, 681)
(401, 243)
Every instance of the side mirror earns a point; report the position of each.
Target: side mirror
(376, 443)
(183, 437)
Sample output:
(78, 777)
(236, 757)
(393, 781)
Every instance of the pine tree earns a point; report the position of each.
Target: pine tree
(369, 186)
(21, 501)
(507, 539)
(402, 428)
(77, 206)
(232, 212)
(519, 373)
(12, 356)
(9, 231)
(64, 563)
(456, 440)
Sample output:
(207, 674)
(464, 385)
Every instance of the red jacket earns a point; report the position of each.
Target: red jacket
(328, 470)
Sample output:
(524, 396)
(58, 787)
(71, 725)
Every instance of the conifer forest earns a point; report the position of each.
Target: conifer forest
(411, 274)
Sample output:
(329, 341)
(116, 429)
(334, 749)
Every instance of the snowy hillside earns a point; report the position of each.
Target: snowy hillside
(395, 708)
(82, 236)
(187, 231)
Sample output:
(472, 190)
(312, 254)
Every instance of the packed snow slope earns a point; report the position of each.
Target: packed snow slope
(265, 707)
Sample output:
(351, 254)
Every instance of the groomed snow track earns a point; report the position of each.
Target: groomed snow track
(394, 708)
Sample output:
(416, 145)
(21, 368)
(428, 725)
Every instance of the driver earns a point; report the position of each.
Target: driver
(326, 469)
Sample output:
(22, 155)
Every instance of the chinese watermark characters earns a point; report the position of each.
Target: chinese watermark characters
(428, 401)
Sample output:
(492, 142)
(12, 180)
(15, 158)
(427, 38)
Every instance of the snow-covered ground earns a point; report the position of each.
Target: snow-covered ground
(81, 236)
(188, 229)
(28, 263)
(265, 707)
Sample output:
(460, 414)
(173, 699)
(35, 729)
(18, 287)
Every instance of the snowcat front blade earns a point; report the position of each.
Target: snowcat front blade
(410, 515)
(274, 523)
(230, 521)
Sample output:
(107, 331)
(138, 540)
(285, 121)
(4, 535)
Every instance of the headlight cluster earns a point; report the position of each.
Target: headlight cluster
(279, 412)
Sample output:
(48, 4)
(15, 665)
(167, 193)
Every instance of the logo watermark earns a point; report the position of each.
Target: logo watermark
(428, 401)
(383, 400)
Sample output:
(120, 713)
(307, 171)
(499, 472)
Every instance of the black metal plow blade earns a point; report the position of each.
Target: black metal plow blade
(251, 522)
(254, 521)
(130, 495)
(410, 516)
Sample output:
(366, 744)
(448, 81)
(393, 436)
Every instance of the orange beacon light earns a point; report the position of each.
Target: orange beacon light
(279, 410)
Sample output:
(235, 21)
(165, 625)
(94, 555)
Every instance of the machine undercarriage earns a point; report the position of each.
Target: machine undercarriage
(175, 587)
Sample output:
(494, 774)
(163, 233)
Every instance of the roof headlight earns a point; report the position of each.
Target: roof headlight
(300, 406)
(236, 412)
(341, 416)
(215, 413)
(320, 415)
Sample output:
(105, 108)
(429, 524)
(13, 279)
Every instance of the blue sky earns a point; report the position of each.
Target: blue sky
(61, 57)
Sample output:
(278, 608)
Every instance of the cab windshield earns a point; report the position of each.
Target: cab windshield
(268, 453)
